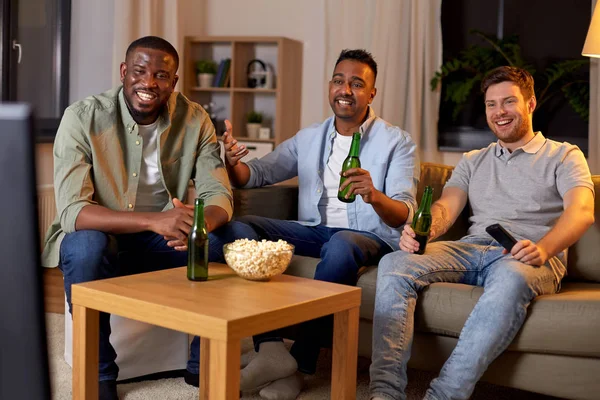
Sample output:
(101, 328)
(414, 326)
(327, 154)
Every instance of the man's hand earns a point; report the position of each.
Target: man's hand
(178, 244)
(233, 152)
(528, 252)
(407, 240)
(174, 224)
(361, 182)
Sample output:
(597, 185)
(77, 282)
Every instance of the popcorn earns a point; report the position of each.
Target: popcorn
(258, 260)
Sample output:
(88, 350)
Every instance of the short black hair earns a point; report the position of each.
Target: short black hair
(359, 55)
(518, 76)
(154, 42)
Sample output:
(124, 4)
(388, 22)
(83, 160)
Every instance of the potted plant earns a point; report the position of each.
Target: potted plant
(206, 70)
(253, 121)
(462, 76)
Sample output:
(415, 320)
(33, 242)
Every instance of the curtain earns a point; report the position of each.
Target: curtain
(594, 123)
(137, 18)
(405, 38)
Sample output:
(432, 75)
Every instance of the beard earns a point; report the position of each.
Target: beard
(518, 132)
(140, 115)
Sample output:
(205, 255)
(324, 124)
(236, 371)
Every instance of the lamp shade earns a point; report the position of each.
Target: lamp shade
(591, 48)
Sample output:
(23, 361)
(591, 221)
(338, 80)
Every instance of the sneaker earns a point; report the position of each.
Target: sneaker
(191, 378)
(107, 390)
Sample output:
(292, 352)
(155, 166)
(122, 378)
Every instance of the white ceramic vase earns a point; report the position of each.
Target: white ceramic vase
(252, 130)
(205, 80)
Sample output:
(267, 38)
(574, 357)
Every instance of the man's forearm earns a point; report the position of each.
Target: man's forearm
(393, 212)
(571, 225)
(95, 217)
(239, 175)
(440, 220)
(215, 217)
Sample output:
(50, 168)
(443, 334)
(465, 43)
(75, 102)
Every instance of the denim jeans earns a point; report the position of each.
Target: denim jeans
(342, 251)
(509, 286)
(89, 255)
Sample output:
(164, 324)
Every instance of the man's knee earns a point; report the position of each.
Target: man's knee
(233, 230)
(396, 269)
(519, 282)
(349, 243)
(393, 263)
(250, 219)
(85, 250)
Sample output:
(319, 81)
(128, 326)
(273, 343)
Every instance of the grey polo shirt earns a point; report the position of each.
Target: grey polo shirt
(522, 190)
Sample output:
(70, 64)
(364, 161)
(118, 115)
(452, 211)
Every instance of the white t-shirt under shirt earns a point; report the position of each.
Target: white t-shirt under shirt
(333, 212)
(151, 194)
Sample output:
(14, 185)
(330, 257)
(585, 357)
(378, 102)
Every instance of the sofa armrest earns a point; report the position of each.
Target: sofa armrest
(277, 201)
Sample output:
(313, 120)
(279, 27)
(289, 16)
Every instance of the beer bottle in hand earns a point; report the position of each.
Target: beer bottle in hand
(197, 268)
(351, 161)
(421, 223)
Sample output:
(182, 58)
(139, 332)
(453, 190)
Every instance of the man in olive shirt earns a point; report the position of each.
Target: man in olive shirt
(122, 161)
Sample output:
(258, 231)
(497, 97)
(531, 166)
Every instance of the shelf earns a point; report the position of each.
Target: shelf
(210, 89)
(280, 105)
(229, 89)
(252, 90)
(248, 139)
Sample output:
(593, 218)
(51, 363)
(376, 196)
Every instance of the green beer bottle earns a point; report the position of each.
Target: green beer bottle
(421, 223)
(197, 268)
(351, 161)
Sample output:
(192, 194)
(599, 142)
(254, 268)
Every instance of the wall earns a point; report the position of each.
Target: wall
(91, 65)
(300, 20)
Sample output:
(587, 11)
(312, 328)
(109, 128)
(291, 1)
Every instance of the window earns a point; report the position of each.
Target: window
(34, 58)
(547, 31)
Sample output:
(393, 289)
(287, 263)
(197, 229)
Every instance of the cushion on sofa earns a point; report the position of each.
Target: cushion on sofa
(564, 323)
(584, 255)
(277, 201)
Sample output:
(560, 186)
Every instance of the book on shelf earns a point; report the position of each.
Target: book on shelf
(219, 73)
(224, 73)
(227, 78)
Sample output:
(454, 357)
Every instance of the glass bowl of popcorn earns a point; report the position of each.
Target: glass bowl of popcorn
(258, 261)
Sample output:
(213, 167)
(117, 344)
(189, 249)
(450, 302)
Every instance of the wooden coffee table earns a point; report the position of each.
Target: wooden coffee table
(222, 311)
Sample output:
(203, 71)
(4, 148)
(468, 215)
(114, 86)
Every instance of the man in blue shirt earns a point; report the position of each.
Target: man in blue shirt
(346, 236)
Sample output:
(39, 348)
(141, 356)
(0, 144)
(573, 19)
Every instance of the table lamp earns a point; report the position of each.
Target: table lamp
(591, 48)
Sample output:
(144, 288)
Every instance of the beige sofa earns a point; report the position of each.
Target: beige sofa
(557, 351)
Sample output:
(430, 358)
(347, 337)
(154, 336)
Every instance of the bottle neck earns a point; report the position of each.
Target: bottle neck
(425, 205)
(355, 146)
(199, 213)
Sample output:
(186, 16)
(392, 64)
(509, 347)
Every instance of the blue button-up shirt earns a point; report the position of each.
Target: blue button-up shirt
(386, 151)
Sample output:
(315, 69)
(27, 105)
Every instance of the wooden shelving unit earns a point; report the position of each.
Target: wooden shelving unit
(279, 105)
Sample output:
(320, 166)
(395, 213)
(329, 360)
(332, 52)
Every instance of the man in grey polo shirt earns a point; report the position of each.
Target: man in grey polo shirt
(539, 190)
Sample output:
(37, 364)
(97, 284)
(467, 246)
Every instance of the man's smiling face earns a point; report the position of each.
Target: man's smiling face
(351, 90)
(149, 77)
(508, 113)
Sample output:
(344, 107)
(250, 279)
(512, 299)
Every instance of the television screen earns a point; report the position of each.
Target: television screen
(23, 351)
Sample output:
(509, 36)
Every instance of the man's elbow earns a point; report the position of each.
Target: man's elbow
(590, 218)
(585, 214)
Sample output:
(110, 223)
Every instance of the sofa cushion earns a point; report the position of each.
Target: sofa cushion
(564, 323)
(306, 266)
(584, 255)
(276, 201)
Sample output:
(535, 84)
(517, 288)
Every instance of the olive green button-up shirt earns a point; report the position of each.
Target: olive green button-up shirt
(98, 156)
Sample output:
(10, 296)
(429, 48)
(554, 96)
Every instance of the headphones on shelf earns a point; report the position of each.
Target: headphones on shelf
(256, 79)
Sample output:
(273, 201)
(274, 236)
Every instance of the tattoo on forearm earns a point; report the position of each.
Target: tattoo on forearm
(441, 223)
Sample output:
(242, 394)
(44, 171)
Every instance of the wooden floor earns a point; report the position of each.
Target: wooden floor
(54, 291)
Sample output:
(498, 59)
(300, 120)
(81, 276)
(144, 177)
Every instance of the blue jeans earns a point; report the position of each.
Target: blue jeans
(89, 255)
(509, 286)
(342, 251)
